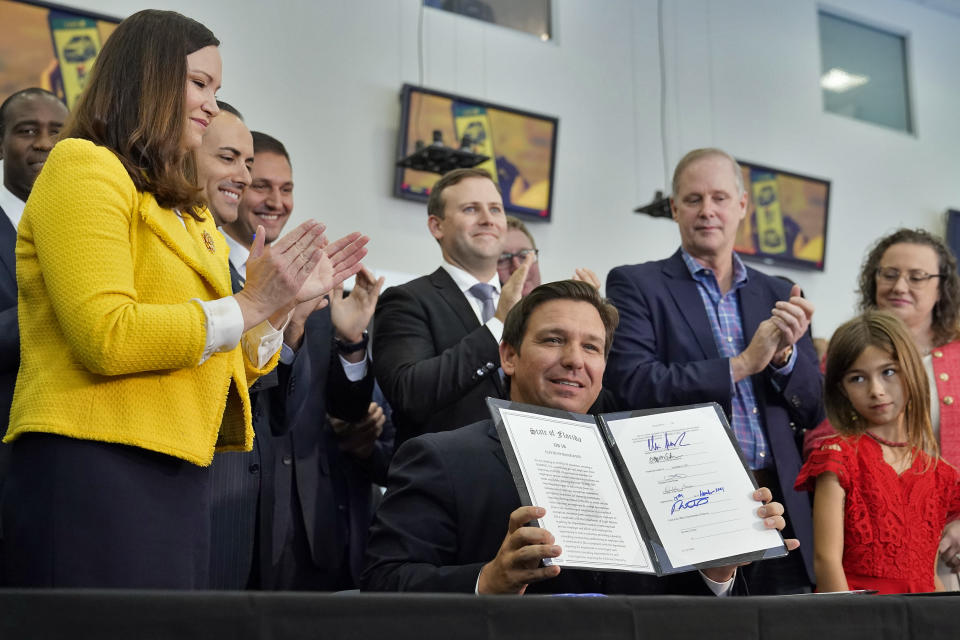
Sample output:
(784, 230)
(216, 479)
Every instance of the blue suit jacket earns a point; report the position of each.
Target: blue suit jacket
(664, 355)
(334, 488)
(294, 450)
(9, 332)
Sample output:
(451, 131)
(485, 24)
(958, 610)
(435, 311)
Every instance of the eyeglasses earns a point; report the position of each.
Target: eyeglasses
(916, 278)
(507, 258)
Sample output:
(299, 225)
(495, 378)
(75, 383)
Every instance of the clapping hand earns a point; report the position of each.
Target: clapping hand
(351, 315)
(340, 260)
(276, 273)
(792, 317)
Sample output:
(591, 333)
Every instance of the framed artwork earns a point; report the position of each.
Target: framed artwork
(786, 221)
(521, 147)
(49, 46)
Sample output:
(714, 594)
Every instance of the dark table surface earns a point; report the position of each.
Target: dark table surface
(211, 615)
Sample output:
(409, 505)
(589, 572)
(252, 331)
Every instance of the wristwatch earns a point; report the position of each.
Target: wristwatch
(788, 352)
(352, 347)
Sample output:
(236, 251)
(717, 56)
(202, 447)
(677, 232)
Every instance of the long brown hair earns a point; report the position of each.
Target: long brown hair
(134, 104)
(945, 322)
(884, 331)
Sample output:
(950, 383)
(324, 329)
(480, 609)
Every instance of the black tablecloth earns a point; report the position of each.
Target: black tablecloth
(212, 615)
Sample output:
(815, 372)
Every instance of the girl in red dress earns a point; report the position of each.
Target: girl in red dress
(882, 494)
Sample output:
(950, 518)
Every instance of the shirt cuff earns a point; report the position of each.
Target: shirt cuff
(496, 328)
(720, 589)
(355, 371)
(224, 321)
(287, 354)
(261, 342)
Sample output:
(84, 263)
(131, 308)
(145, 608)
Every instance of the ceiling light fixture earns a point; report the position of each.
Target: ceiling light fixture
(839, 81)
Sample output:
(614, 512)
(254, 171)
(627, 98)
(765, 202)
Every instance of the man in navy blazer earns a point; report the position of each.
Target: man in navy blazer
(700, 327)
(450, 495)
(293, 512)
(30, 121)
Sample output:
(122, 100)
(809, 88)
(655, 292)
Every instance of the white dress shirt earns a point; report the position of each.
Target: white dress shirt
(11, 205)
(464, 281)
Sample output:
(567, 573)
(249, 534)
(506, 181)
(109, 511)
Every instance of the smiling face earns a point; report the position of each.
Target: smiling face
(708, 208)
(514, 242)
(473, 226)
(200, 100)
(560, 362)
(267, 202)
(223, 165)
(913, 304)
(874, 387)
(32, 123)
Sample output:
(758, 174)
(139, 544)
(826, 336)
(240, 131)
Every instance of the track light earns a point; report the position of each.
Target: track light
(659, 208)
(439, 158)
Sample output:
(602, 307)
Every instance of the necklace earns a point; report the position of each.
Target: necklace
(887, 442)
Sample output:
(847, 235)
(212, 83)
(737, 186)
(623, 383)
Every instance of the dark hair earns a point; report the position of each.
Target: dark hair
(945, 323)
(229, 108)
(134, 104)
(263, 143)
(23, 93)
(516, 324)
(884, 331)
(435, 203)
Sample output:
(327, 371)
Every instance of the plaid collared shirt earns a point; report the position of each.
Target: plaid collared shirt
(723, 311)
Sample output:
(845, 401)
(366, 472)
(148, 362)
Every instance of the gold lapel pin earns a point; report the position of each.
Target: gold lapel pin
(208, 242)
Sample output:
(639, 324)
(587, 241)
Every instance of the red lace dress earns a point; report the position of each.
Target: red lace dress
(891, 523)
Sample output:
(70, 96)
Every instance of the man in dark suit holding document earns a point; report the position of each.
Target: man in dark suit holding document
(440, 527)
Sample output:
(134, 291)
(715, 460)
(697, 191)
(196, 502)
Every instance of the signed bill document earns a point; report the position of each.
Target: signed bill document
(656, 491)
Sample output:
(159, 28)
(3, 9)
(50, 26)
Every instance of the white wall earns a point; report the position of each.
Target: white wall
(324, 76)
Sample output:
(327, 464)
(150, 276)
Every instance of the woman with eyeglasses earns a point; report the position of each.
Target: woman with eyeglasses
(913, 275)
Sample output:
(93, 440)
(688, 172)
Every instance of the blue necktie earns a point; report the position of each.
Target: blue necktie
(484, 293)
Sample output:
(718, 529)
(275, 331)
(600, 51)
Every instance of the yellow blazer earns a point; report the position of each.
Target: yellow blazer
(110, 336)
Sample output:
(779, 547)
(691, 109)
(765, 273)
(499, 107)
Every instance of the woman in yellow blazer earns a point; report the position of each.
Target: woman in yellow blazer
(131, 373)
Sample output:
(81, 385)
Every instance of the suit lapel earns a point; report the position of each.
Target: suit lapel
(455, 299)
(497, 447)
(186, 238)
(8, 244)
(683, 288)
(236, 282)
